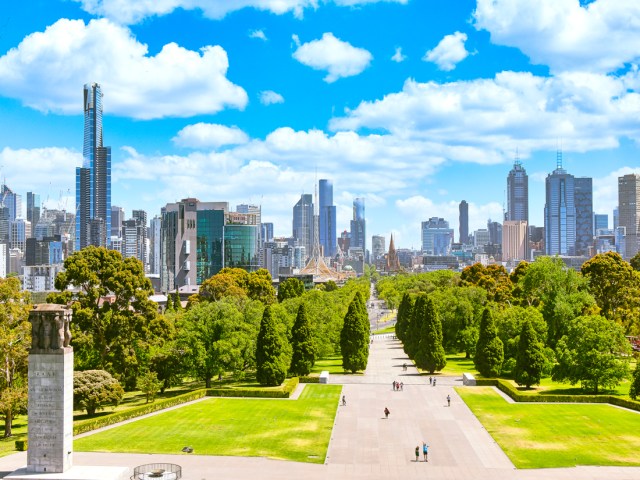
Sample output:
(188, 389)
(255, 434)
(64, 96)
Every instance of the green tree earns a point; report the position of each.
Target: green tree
(214, 338)
(15, 340)
(304, 356)
(592, 354)
(414, 328)
(635, 262)
(114, 322)
(403, 317)
(149, 385)
(489, 349)
(291, 288)
(634, 388)
(530, 359)
(93, 389)
(494, 279)
(354, 337)
(330, 286)
(260, 287)
(271, 362)
(615, 286)
(430, 354)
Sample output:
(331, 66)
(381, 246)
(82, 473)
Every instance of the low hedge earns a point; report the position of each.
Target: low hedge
(283, 391)
(83, 426)
(308, 379)
(516, 395)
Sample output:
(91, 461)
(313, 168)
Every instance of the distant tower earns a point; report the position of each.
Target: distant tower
(33, 209)
(517, 193)
(464, 222)
(303, 223)
(629, 212)
(393, 265)
(358, 225)
(93, 179)
(327, 219)
(560, 212)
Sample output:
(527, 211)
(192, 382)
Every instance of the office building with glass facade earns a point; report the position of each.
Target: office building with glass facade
(358, 226)
(560, 213)
(517, 193)
(93, 179)
(327, 221)
(629, 214)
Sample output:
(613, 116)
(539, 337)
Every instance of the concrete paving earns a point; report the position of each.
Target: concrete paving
(364, 444)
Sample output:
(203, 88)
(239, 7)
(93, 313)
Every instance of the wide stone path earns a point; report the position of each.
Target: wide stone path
(366, 445)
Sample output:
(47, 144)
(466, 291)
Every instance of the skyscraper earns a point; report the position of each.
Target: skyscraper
(464, 222)
(33, 209)
(328, 234)
(583, 190)
(303, 223)
(517, 193)
(560, 212)
(437, 237)
(600, 221)
(377, 247)
(358, 225)
(117, 217)
(629, 212)
(93, 179)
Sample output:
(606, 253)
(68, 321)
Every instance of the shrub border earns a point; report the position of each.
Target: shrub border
(509, 389)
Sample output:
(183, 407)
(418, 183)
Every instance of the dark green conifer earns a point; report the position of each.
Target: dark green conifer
(354, 337)
(430, 354)
(304, 352)
(530, 358)
(271, 364)
(489, 349)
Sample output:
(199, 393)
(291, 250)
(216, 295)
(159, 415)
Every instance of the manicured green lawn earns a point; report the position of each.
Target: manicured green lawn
(457, 365)
(332, 364)
(389, 329)
(557, 435)
(297, 430)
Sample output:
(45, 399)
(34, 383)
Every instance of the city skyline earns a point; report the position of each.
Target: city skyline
(433, 112)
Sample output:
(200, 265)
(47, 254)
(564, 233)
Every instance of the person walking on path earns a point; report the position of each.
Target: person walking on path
(404, 367)
(425, 451)
(386, 412)
(344, 401)
(434, 382)
(448, 400)
(417, 453)
(430, 381)
(394, 385)
(401, 386)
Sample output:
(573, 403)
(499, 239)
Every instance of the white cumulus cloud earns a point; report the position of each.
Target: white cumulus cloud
(599, 36)
(269, 97)
(204, 135)
(398, 56)
(340, 59)
(47, 69)
(134, 11)
(449, 52)
(513, 110)
(259, 34)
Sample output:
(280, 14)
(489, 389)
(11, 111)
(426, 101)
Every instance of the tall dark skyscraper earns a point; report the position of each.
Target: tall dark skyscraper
(629, 213)
(328, 234)
(517, 193)
(464, 222)
(93, 179)
(358, 225)
(583, 190)
(303, 223)
(560, 212)
(33, 209)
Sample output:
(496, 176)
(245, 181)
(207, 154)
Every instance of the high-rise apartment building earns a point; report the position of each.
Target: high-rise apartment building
(33, 209)
(10, 209)
(495, 232)
(629, 212)
(583, 191)
(377, 247)
(155, 228)
(560, 212)
(192, 242)
(117, 217)
(437, 237)
(358, 225)
(327, 221)
(517, 193)
(514, 240)
(93, 179)
(303, 222)
(20, 231)
(464, 222)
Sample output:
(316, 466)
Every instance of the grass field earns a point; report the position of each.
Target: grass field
(557, 435)
(332, 364)
(388, 329)
(297, 430)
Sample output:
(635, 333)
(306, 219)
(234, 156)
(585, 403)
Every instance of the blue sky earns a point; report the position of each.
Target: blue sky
(413, 104)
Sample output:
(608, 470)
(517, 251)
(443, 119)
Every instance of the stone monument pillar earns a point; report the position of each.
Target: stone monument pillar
(50, 447)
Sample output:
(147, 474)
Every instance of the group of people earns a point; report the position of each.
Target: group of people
(432, 381)
(425, 452)
(397, 386)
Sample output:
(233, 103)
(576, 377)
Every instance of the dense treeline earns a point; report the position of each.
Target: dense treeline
(541, 319)
(237, 325)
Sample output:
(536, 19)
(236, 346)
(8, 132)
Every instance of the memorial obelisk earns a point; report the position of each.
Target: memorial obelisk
(50, 410)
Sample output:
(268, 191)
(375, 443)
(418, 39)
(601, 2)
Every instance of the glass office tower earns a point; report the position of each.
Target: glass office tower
(93, 179)
(327, 222)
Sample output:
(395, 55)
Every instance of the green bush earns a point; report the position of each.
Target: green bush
(307, 379)
(21, 445)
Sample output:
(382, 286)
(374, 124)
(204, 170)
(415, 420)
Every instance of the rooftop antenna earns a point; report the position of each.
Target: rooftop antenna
(559, 156)
(517, 160)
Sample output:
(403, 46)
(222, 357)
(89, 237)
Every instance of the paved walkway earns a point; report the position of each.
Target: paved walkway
(365, 445)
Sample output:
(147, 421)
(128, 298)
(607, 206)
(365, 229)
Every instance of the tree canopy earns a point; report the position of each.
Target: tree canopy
(354, 337)
(271, 360)
(94, 389)
(304, 352)
(489, 349)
